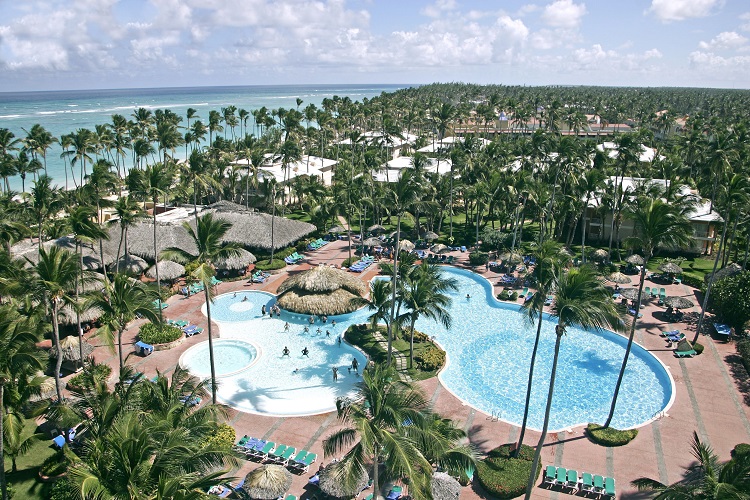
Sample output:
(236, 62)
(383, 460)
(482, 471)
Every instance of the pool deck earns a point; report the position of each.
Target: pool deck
(712, 396)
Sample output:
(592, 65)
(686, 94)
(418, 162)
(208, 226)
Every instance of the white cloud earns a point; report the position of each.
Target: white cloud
(746, 25)
(652, 54)
(712, 63)
(563, 14)
(725, 40)
(679, 10)
(439, 8)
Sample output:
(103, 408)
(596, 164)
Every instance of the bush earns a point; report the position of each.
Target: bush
(159, 333)
(740, 450)
(730, 298)
(743, 349)
(54, 465)
(505, 477)
(62, 490)
(609, 436)
(698, 348)
(431, 359)
(478, 258)
(224, 437)
(92, 376)
(514, 296)
(264, 265)
(693, 281)
(349, 261)
(421, 336)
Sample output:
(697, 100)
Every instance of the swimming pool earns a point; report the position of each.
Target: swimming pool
(488, 347)
(230, 356)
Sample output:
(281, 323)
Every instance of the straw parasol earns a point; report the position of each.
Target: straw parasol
(393, 234)
(239, 261)
(71, 349)
(68, 315)
(510, 257)
(322, 290)
(635, 259)
(406, 245)
(440, 248)
(372, 242)
(619, 278)
(678, 302)
(599, 254)
(168, 270)
(377, 228)
(131, 264)
(430, 235)
(337, 229)
(629, 293)
(670, 268)
(267, 482)
(332, 483)
(730, 270)
(444, 487)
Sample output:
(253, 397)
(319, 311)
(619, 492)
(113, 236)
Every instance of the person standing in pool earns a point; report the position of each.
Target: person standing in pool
(333, 323)
(285, 352)
(305, 352)
(328, 333)
(263, 310)
(325, 319)
(311, 319)
(306, 329)
(355, 365)
(339, 340)
(335, 373)
(286, 327)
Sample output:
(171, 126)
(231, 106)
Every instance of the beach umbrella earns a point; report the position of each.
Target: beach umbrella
(678, 302)
(377, 228)
(168, 270)
(430, 235)
(239, 261)
(372, 242)
(440, 248)
(393, 234)
(510, 257)
(619, 278)
(635, 259)
(629, 293)
(267, 482)
(731, 270)
(599, 254)
(444, 487)
(332, 482)
(71, 349)
(131, 264)
(406, 245)
(337, 229)
(670, 268)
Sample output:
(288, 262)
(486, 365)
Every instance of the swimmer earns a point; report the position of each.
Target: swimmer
(328, 334)
(333, 322)
(325, 319)
(263, 310)
(335, 373)
(307, 329)
(296, 370)
(286, 327)
(311, 319)
(468, 296)
(318, 331)
(285, 352)
(305, 352)
(355, 365)
(235, 295)
(339, 340)
(244, 299)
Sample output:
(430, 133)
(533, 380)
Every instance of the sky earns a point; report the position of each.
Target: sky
(85, 44)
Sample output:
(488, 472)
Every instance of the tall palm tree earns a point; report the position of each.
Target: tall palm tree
(707, 479)
(580, 299)
(207, 236)
(157, 180)
(127, 213)
(657, 224)
(375, 432)
(45, 201)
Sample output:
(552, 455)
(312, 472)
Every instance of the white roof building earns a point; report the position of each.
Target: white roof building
(646, 155)
(391, 171)
(448, 142)
(307, 165)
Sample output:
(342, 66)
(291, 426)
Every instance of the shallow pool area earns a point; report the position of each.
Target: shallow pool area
(488, 346)
(230, 356)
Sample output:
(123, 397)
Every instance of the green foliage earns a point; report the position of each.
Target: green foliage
(224, 437)
(62, 489)
(503, 476)
(190, 267)
(493, 240)
(420, 337)
(743, 349)
(349, 261)
(431, 359)
(91, 376)
(508, 295)
(478, 258)
(730, 299)
(698, 348)
(693, 281)
(740, 450)
(275, 264)
(609, 436)
(55, 465)
(159, 333)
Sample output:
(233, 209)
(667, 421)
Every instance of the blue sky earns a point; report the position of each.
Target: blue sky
(79, 44)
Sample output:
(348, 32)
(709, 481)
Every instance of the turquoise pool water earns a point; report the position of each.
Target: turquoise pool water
(230, 356)
(488, 345)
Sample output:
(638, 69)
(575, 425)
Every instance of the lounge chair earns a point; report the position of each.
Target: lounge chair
(180, 323)
(572, 481)
(722, 329)
(647, 290)
(670, 333)
(562, 476)
(298, 458)
(685, 354)
(156, 303)
(306, 462)
(524, 292)
(192, 330)
(529, 297)
(395, 493)
(263, 452)
(548, 300)
(598, 484)
(276, 454)
(549, 475)
(609, 487)
(290, 497)
(314, 480)
(143, 348)
(632, 312)
(244, 439)
(59, 441)
(462, 248)
(587, 482)
(284, 458)
(190, 400)
(184, 290)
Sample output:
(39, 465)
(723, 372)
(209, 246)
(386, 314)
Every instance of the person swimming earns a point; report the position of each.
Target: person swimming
(305, 352)
(285, 352)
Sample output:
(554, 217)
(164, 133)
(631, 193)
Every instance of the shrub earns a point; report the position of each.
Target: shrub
(743, 349)
(349, 261)
(54, 465)
(159, 333)
(224, 437)
(693, 281)
(609, 436)
(90, 377)
(730, 298)
(284, 252)
(421, 336)
(503, 476)
(514, 296)
(478, 258)
(698, 348)
(431, 359)
(740, 450)
(264, 265)
(62, 490)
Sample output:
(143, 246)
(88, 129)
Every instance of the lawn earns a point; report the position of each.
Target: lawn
(25, 482)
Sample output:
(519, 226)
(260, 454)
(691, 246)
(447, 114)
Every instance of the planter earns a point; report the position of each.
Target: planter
(50, 479)
(169, 345)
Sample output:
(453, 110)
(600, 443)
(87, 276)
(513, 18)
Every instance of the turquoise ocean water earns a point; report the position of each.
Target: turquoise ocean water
(63, 112)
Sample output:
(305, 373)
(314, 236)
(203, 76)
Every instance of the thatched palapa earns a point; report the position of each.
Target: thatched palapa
(168, 270)
(670, 268)
(334, 484)
(619, 278)
(635, 259)
(239, 261)
(322, 290)
(68, 315)
(730, 270)
(91, 261)
(267, 482)
(444, 487)
(678, 302)
(131, 264)
(71, 350)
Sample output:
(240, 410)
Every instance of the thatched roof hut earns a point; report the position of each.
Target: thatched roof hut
(322, 290)
(730, 270)
(71, 350)
(444, 487)
(91, 261)
(130, 264)
(239, 261)
(68, 315)
(332, 482)
(267, 482)
(168, 270)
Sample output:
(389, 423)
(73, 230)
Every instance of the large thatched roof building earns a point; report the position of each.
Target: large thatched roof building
(322, 290)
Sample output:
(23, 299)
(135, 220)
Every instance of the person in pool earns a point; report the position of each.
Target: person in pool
(285, 352)
(286, 327)
(305, 352)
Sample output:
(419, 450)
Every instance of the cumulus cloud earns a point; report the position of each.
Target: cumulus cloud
(439, 8)
(679, 10)
(746, 21)
(714, 62)
(563, 14)
(725, 40)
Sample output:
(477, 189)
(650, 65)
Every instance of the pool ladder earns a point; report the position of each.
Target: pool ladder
(495, 415)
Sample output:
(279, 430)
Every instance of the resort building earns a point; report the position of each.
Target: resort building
(447, 143)
(391, 171)
(307, 165)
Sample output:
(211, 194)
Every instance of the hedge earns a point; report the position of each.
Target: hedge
(91, 376)
(478, 258)
(264, 265)
(159, 333)
(224, 437)
(62, 490)
(743, 349)
(609, 436)
(431, 359)
(503, 476)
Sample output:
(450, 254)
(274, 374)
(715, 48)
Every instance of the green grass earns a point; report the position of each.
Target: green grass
(26, 484)
(609, 436)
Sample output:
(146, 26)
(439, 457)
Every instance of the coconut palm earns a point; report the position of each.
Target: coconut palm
(707, 479)
(375, 432)
(156, 181)
(45, 201)
(657, 224)
(582, 300)
(207, 236)
(127, 213)
(123, 300)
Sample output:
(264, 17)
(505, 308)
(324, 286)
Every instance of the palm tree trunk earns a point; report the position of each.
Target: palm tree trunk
(411, 341)
(628, 348)
(156, 266)
(710, 285)
(58, 350)
(210, 343)
(529, 384)
(393, 287)
(3, 483)
(78, 314)
(540, 444)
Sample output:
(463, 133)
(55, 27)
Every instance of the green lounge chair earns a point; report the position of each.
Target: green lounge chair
(587, 482)
(598, 483)
(562, 476)
(685, 354)
(524, 292)
(263, 452)
(549, 475)
(290, 497)
(647, 290)
(306, 462)
(298, 458)
(276, 454)
(609, 487)
(572, 479)
(369, 497)
(287, 455)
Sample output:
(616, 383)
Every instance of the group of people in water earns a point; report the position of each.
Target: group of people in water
(273, 311)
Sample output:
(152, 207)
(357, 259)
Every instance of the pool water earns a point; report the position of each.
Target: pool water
(230, 356)
(488, 346)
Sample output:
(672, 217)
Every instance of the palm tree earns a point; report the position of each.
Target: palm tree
(8, 143)
(45, 201)
(127, 213)
(20, 356)
(207, 236)
(376, 419)
(707, 479)
(156, 182)
(657, 224)
(580, 299)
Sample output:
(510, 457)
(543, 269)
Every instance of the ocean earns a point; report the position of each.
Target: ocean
(63, 112)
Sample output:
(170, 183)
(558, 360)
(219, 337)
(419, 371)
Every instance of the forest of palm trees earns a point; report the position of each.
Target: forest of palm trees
(701, 137)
